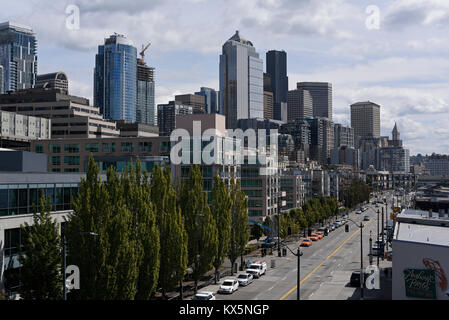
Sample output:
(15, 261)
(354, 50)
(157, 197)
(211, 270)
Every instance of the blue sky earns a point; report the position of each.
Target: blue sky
(403, 65)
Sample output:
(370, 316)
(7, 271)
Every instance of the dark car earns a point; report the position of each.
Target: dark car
(355, 278)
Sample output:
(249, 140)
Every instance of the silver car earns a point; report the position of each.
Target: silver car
(245, 279)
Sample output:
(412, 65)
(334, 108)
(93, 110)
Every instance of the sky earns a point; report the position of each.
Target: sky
(391, 52)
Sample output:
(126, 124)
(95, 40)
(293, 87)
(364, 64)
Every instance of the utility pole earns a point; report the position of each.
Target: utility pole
(378, 236)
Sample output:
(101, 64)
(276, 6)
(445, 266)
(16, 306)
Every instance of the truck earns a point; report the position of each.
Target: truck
(257, 268)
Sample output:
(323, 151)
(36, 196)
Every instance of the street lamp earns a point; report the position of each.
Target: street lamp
(377, 236)
(361, 255)
(298, 254)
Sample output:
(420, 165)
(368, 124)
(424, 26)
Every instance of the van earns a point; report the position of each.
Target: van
(257, 268)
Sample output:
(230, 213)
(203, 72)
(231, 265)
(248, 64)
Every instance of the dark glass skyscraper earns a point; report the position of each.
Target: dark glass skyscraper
(18, 56)
(115, 77)
(277, 71)
(211, 99)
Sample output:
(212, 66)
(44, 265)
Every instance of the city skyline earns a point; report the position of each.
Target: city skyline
(400, 66)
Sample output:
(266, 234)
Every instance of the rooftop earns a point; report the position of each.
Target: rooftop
(428, 234)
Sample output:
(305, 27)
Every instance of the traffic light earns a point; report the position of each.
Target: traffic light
(347, 228)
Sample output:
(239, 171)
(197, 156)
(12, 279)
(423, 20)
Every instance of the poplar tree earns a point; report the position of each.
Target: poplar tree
(200, 225)
(221, 211)
(41, 258)
(239, 223)
(170, 222)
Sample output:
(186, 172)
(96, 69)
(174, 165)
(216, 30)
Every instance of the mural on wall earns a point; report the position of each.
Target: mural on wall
(439, 271)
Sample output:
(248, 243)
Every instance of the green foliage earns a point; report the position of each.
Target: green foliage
(199, 223)
(221, 211)
(173, 237)
(239, 223)
(41, 259)
(356, 193)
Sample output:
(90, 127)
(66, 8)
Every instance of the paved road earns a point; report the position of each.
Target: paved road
(330, 260)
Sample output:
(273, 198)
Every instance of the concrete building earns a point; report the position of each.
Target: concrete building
(293, 186)
(301, 134)
(2, 79)
(241, 81)
(72, 155)
(54, 80)
(18, 56)
(16, 130)
(166, 116)
(277, 71)
(268, 105)
(129, 129)
(299, 105)
(438, 165)
(115, 74)
(146, 112)
(346, 156)
(365, 119)
(211, 101)
(343, 136)
(420, 264)
(322, 139)
(321, 93)
(71, 116)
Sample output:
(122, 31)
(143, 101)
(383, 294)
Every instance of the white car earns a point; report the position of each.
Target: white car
(245, 279)
(229, 286)
(204, 295)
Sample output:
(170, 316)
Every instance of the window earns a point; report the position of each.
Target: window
(91, 147)
(145, 146)
(164, 146)
(72, 148)
(108, 147)
(71, 170)
(54, 148)
(72, 160)
(39, 148)
(127, 147)
(54, 160)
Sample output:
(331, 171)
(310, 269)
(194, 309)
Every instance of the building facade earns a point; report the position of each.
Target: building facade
(299, 105)
(277, 71)
(115, 77)
(197, 102)
(166, 116)
(146, 112)
(211, 102)
(241, 81)
(268, 105)
(18, 56)
(343, 135)
(18, 127)
(55, 80)
(365, 119)
(321, 93)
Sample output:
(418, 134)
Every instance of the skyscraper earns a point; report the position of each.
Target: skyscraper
(241, 81)
(210, 99)
(1, 80)
(146, 112)
(268, 105)
(195, 101)
(365, 119)
(115, 77)
(277, 71)
(321, 93)
(299, 104)
(18, 56)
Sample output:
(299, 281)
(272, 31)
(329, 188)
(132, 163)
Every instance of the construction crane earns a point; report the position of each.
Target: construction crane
(142, 53)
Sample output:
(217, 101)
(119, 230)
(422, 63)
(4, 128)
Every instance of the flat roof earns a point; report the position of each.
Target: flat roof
(425, 234)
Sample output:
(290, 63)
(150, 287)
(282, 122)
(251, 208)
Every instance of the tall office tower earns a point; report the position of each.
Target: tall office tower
(268, 105)
(322, 139)
(241, 81)
(267, 82)
(55, 80)
(1, 80)
(210, 99)
(321, 93)
(146, 112)
(277, 71)
(299, 104)
(166, 116)
(115, 78)
(18, 56)
(365, 119)
(343, 136)
(195, 101)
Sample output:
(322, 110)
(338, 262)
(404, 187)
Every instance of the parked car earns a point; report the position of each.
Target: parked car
(245, 279)
(366, 218)
(355, 278)
(358, 212)
(324, 230)
(338, 223)
(331, 227)
(319, 234)
(314, 237)
(229, 286)
(306, 243)
(204, 295)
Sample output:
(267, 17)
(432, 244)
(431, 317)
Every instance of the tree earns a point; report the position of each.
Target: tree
(173, 237)
(41, 258)
(239, 223)
(199, 223)
(221, 211)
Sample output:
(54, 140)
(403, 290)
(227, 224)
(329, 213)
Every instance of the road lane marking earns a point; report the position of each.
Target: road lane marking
(317, 267)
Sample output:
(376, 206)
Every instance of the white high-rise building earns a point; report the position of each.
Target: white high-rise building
(241, 81)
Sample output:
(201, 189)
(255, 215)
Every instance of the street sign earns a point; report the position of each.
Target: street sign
(420, 283)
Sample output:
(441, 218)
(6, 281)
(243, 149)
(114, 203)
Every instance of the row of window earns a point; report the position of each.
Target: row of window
(145, 146)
